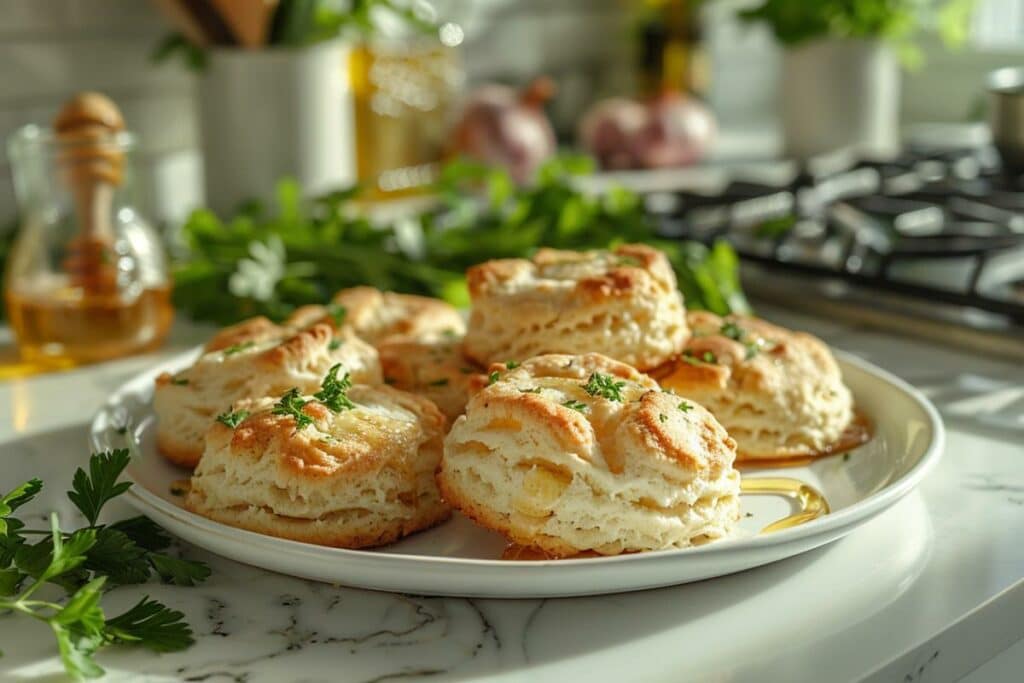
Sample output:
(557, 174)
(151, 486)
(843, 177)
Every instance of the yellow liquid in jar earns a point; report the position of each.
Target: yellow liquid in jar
(67, 327)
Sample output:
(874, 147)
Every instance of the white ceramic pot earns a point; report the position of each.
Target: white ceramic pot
(267, 114)
(840, 93)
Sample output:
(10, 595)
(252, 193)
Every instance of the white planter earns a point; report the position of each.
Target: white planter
(840, 93)
(267, 114)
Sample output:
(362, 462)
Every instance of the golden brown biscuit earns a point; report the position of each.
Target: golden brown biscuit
(377, 316)
(433, 368)
(570, 454)
(258, 329)
(186, 403)
(779, 393)
(354, 477)
(623, 303)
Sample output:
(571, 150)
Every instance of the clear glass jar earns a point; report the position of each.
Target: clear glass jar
(86, 279)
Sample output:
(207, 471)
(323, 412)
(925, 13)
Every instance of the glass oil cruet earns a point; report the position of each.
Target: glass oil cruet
(86, 279)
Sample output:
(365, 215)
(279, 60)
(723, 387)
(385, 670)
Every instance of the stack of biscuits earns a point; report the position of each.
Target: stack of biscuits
(581, 411)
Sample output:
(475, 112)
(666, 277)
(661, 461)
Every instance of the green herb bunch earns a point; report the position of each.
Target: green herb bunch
(796, 21)
(83, 563)
(264, 263)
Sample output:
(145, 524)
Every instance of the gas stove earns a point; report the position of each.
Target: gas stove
(930, 242)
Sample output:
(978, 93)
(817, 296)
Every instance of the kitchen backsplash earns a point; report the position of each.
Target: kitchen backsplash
(50, 48)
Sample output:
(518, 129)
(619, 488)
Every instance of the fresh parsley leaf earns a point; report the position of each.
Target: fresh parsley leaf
(663, 418)
(178, 571)
(76, 651)
(493, 377)
(334, 345)
(576, 405)
(334, 392)
(20, 495)
(232, 419)
(337, 313)
(291, 404)
(15, 499)
(82, 611)
(10, 581)
(118, 557)
(90, 492)
(151, 625)
(53, 559)
(238, 348)
(179, 381)
(709, 357)
(443, 382)
(143, 532)
(685, 407)
(733, 331)
(531, 390)
(512, 364)
(604, 386)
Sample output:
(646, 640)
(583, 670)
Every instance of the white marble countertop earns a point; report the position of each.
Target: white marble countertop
(928, 591)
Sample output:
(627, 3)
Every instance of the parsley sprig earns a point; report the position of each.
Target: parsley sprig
(334, 392)
(291, 404)
(232, 419)
(604, 386)
(85, 562)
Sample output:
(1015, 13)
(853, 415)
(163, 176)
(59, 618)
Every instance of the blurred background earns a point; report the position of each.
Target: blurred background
(861, 158)
(589, 47)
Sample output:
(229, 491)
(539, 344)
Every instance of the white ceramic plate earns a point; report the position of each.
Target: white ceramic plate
(460, 559)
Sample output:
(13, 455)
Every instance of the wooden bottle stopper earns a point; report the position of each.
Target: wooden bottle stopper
(91, 163)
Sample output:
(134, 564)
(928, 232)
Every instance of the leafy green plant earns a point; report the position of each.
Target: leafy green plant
(296, 23)
(263, 263)
(796, 21)
(83, 563)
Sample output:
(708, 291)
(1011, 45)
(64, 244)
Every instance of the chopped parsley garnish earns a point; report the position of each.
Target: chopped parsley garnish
(236, 348)
(334, 345)
(693, 359)
(512, 364)
(443, 382)
(291, 404)
(179, 381)
(604, 386)
(232, 419)
(337, 313)
(685, 407)
(531, 390)
(732, 331)
(579, 406)
(334, 392)
(662, 417)
(736, 333)
(450, 333)
(493, 377)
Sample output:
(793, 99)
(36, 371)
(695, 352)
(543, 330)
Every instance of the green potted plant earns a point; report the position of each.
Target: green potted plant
(840, 80)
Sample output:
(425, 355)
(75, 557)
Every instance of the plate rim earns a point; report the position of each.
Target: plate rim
(144, 500)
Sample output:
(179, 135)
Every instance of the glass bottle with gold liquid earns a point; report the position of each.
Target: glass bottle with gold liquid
(86, 279)
(403, 89)
(670, 48)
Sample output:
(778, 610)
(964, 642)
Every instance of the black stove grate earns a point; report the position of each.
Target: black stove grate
(935, 226)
